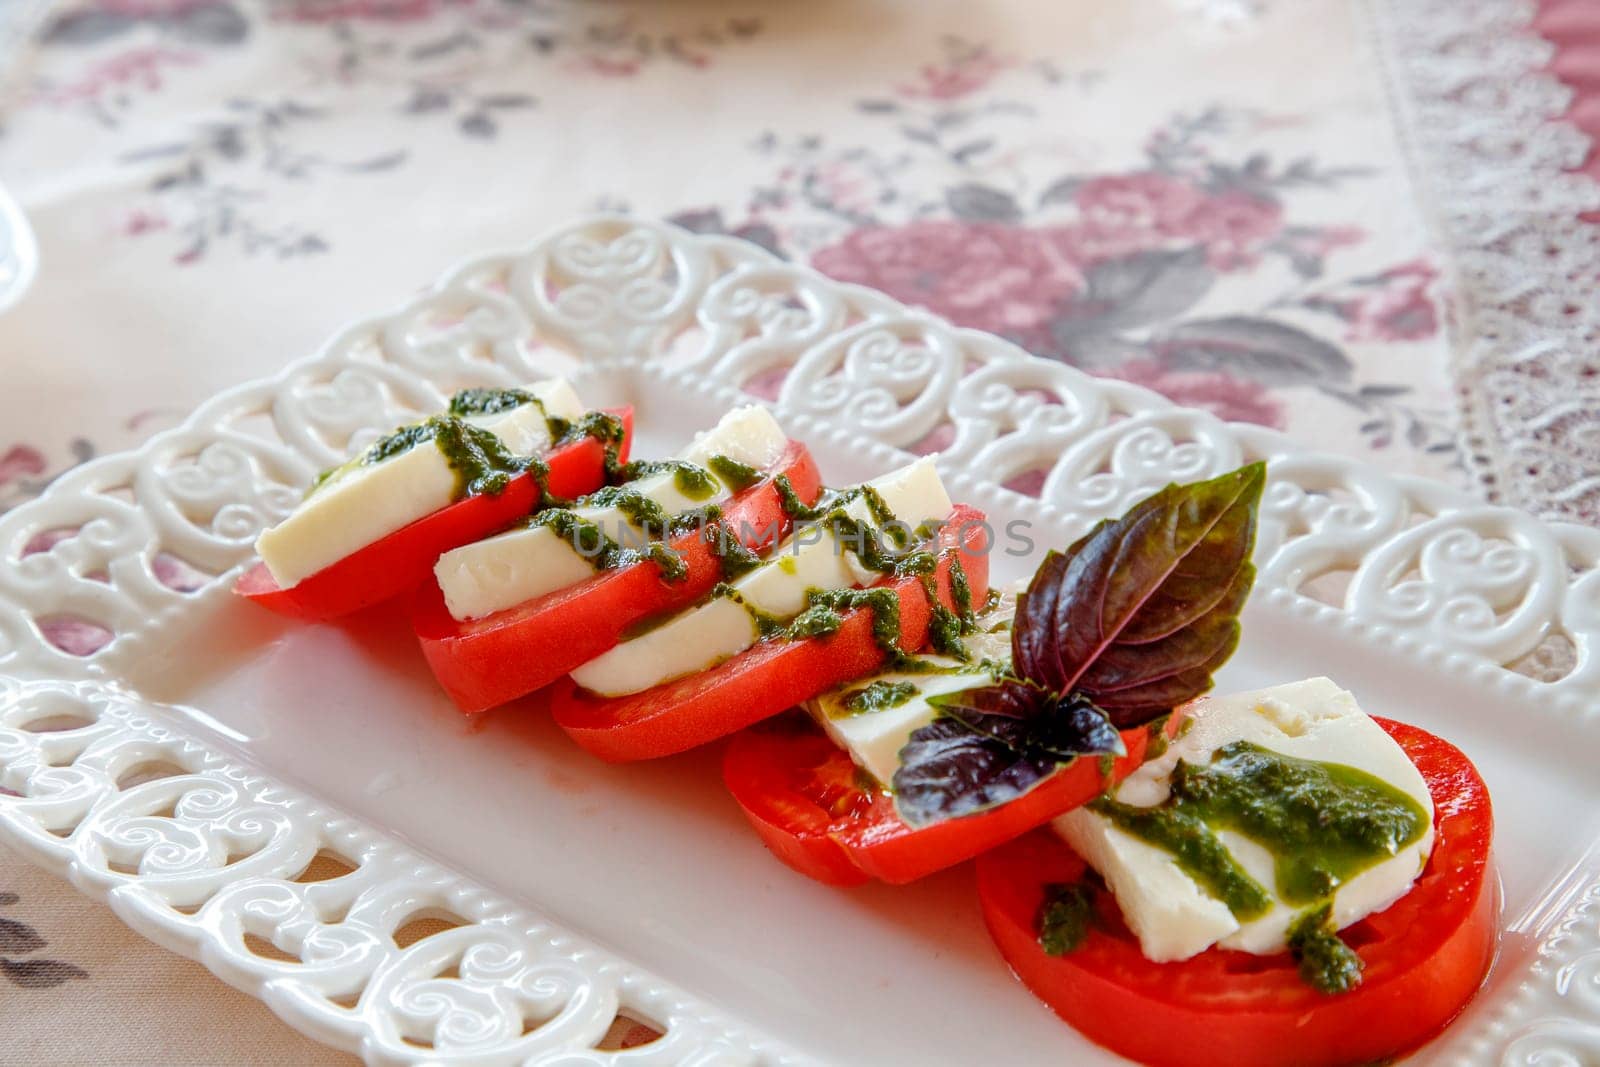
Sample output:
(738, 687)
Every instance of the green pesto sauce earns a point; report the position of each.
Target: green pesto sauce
(603, 553)
(793, 506)
(1107, 764)
(603, 427)
(864, 541)
(881, 545)
(479, 402)
(918, 563)
(946, 628)
(1327, 964)
(766, 624)
(917, 665)
(961, 594)
(828, 608)
(480, 460)
(1065, 917)
(1197, 850)
(878, 696)
(693, 481)
(702, 519)
(1156, 731)
(736, 559)
(735, 475)
(633, 505)
(1323, 823)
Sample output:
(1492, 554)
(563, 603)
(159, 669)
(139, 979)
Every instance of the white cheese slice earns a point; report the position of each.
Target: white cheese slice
(811, 558)
(518, 565)
(874, 738)
(1173, 917)
(364, 503)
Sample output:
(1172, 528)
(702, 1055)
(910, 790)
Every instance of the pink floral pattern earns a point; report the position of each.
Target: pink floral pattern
(208, 182)
(329, 11)
(19, 462)
(1222, 394)
(25, 471)
(965, 68)
(989, 276)
(1125, 213)
(1108, 270)
(1102, 270)
(1395, 307)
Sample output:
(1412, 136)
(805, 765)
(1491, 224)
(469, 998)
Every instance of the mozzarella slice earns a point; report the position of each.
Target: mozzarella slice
(365, 502)
(1173, 917)
(505, 570)
(874, 738)
(812, 558)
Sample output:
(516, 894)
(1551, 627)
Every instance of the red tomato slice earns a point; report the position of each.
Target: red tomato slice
(488, 661)
(403, 560)
(771, 675)
(1425, 955)
(804, 796)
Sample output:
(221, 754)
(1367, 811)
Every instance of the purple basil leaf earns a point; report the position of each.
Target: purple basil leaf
(1141, 703)
(1127, 665)
(992, 745)
(1139, 612)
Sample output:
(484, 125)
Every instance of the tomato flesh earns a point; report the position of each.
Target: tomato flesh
(770, 676)
(485, 662)
(398, 563)
(1424, 956)
(806, 800)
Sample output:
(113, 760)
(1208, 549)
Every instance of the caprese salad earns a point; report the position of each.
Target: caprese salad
(372, 528)
(1058, 693)
(1270, 877)
(507, 615)
(1290, 882)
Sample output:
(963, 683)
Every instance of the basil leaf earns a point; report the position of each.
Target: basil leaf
(993, 744)
(1140, 611)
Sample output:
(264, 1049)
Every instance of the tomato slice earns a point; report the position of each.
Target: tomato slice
(1425, 955)
(771, 675)
(488, 661)
(403, 560)
(812, 808)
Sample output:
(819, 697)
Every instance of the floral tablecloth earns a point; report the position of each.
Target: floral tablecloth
(1348, 222)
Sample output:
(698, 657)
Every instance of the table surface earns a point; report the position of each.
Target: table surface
(1152, 191)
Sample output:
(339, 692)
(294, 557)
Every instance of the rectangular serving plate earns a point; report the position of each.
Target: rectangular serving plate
(655, 860)
(654, 863)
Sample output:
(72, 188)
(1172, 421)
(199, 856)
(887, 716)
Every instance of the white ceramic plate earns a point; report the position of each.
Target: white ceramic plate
(190, 769)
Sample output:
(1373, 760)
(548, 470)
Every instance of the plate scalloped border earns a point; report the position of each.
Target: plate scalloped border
(205, 856)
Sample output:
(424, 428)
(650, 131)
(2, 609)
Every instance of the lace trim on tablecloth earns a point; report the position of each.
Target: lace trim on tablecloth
(1494, 159)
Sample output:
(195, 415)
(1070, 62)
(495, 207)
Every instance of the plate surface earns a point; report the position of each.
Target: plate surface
(186, 757)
